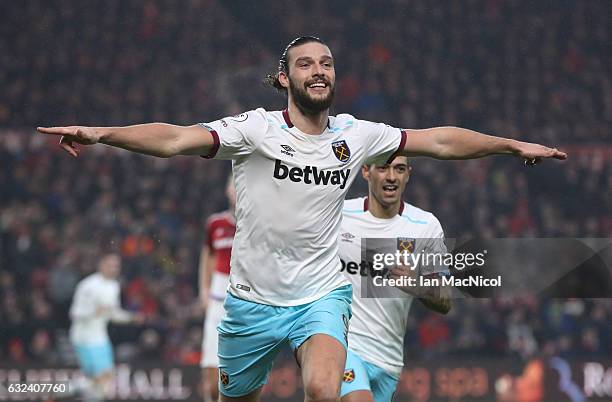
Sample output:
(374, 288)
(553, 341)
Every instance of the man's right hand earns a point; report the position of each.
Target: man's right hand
(139, 318)
(73, 134)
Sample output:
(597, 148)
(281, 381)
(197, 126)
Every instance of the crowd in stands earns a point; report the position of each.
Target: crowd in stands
(520, 69)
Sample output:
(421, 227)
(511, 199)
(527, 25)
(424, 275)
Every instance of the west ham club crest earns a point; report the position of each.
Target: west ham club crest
(341, 150)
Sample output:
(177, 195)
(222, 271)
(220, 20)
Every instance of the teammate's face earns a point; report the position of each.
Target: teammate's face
(311, 77)
(110, 266)
(388, 182)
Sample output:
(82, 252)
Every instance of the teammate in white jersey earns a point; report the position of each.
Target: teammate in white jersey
(292, 170)
(95, 303)
(376, 335)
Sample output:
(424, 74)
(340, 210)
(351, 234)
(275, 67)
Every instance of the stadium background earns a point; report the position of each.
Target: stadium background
(538, 71)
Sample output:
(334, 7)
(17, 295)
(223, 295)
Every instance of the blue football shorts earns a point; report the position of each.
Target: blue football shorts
(95, 359)
(360, 375)
(252, 334)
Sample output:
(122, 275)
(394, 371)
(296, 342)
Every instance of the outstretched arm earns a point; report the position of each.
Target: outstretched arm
(207, 262)
(157, 139)
(461, 143)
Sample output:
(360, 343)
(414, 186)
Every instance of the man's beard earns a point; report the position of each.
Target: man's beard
(306, 103)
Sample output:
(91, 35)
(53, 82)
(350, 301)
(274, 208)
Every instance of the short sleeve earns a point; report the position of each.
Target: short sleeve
(210, 227)
(238, 135)
(383, 141)
(435, 245)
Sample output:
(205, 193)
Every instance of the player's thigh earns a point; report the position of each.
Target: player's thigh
(383, 385)
(104, 361)
(105, 377)
(250, 337)
(320, 338)
(355, 380)
(322, 359)
(210, 341)
(85, 358)
(328, 315)
(358, 396)
(210, 379)
(251, 397)
(211, 375)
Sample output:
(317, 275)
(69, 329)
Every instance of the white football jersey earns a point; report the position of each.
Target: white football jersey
(378, 325)
(93, 293)
(290, 187)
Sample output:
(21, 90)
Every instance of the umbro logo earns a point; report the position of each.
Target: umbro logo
(346, 236)
(287, 150)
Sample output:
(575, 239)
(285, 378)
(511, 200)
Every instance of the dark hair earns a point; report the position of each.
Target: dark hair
(369, 165)
(283, 63)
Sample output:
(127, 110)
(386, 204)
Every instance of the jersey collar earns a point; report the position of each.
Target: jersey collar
(366, 204)
(288, 120)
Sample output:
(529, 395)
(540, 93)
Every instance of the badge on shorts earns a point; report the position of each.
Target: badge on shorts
(349, 375)
(341, 150)
(224, 378)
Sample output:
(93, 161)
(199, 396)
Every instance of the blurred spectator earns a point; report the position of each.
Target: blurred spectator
(520, 335)
(150, 343)
(434, 334)
(41, 347)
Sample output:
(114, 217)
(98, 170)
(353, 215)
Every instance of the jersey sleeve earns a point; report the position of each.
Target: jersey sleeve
(238, 135)
(383, 142)
(83, 306)
(435, 245)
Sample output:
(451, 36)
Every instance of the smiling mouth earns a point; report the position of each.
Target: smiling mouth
(390, 189)
(317, 86)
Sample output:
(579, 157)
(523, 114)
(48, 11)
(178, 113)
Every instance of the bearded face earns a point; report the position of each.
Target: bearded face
(311, 77)
(312, 96)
